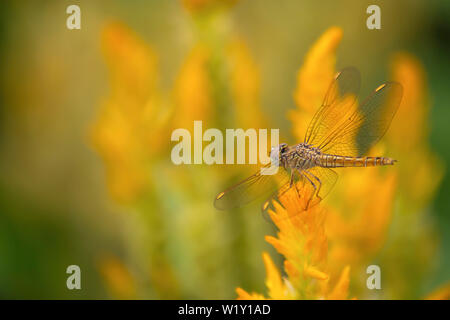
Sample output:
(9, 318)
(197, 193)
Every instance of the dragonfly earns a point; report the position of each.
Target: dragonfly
(339, 135)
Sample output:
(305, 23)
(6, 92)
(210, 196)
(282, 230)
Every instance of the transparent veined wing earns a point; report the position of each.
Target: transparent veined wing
(341, 127)
(323, 179)
(366, 125)
(309, 188)
(259, 185)
(339, 102)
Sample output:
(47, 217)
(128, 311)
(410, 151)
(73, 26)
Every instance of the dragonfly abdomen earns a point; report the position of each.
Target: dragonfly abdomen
(335, 161)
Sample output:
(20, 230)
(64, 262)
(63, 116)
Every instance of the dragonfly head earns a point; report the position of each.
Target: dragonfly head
(276, 152)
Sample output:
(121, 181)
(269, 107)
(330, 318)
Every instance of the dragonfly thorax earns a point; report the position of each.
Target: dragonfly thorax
(302, 156)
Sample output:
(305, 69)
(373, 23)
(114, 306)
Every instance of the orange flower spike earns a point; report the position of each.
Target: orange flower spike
(409, 132)
(119, 282)
(313, 272)
(193, 96)
(245, 86)
(244, 295)
(366, 224)
(413, 111)
(120, 133)
(274, 283)
(340, 290)
(277, 288)
(301, 239)
(292, 271)
(132, 63)
(314, 78)
(317, 71)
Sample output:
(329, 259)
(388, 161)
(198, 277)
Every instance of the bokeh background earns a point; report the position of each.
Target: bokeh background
(85, 123)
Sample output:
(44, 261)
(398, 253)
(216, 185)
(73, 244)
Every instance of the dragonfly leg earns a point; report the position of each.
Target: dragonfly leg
(294, 184)
(318, 181)
(312, 183)
(296, 190)
(291, 180)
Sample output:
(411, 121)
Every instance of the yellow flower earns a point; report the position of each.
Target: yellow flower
(277, 288)
(207, 78)
(340, 290)
(300, 232)
(302, 241)
(413, 111)
(314, 78)
(119, 281)
(129, 126)
(420, 168)
(420, 172)
(245, 86)
(193, 89)
(244, 295)
(365, 206)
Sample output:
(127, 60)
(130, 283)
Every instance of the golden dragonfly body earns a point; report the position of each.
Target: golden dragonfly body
(303, 157)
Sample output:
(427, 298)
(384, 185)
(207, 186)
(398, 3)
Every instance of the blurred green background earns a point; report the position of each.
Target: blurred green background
(55, 209)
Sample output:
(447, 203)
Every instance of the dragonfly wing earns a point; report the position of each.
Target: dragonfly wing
(268, 204)
(277, 194)
(366, 125)
(313, 185)
(339, 102)
(310, 187)
(324, 180)
(259, 185)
